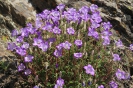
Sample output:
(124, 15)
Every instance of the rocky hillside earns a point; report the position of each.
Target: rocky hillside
(14, 14)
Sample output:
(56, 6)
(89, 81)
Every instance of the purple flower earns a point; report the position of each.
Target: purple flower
(59, 46)
(58, 53)
(106, 40)
(119, 44)
(71, 14)
(24, 32)
(56, 30)
(120, 74)
(94, 24)
(11, 46)
(32, 30)
(27, 72)
(67, 45)
(113, 84)
(29, 25)
(28, 58)
(85, 17)
(20, 39)
(116, 57)
(61, 7)
(95, 15)
(57, 65)
(76, 17)
(55, 15)
(48, 27)
(78, 55)
(70, 31)
(21, 51)
(25, 45)
(83, 83)
(131, 47)
(68, 16)
(127, 76)
(107, 25)
(84, 9)
(37, 41)
(21, 67)
(51, 40)
(93, 33)
(89, 82)
(78, 43)
(44, 14)
(59, 83)
(93, 7)
(44, 46)
(106, 33)
(71, 11)
(89, 69)
(57, 86)
(14, 33)
(36, 86)
(38, 22)
(98, 20)
(101, 86)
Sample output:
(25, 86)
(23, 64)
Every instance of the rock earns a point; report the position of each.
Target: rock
(40, 5)
(17, 10)
(62, 1)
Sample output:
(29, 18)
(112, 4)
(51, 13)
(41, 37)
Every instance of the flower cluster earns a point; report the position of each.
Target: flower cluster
(57, 39)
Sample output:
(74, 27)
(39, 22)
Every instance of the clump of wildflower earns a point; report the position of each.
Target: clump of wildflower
(46, 37)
